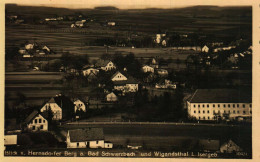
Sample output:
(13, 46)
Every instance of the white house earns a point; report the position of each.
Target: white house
(230, 147)
(87, 138)
(105, 65)
(57, 104)
(111, 97)
(29, 46)
(36, 122)
(215, 104)
(205, 49)
(90, 70)
(79, 105)
(147, 68)
(111, 23)
(118, 77)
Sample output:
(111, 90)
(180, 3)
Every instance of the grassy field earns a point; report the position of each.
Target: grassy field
(37, 87)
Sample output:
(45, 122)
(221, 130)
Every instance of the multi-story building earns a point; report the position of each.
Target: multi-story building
(215, 104)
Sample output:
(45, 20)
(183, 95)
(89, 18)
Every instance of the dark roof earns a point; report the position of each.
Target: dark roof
(61, 100)
(221, 96)
(81, 135)
(32, 116)
(102, 63)
(130, 80)
(212, 145)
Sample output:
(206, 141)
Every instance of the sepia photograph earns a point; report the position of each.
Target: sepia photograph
(128, 81)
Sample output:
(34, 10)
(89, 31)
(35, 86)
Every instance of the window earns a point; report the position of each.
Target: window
(208, 111)
(33, 128)
(204, 117)
(250, 105)
(199, 112)
(238, 112)
(207, 105)
(194, 105)
(96, 142)
(244, 112)
(40, 120)
(77, 144)
(250, 112)
(203, 112)
(208, 117)
(218, 105)
(35, 121)
(228, 105)
(244, 106)
(203, 105)
(213, 105)
(224, 111)
(198, 105)
(43, 121)
(224, 105)
(234, 112)
(237, 105)
(194, 112)
(41, 127)
(234, 105)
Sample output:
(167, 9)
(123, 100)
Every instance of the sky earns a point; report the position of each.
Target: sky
(128, 4)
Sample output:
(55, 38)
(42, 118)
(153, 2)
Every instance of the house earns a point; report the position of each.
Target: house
(89, 70)
(225, 104)
(36, 122)
(79, 24)
(164, 43)
(208, 145)
(118, 77)
(60, 105)
(124, 84)
(111, 97)
(87, 138)
(105, 65)
(165, 84)
(205, 49)
(230, 147)
(79, 105)
(111, 23)
(29, 46)
(147, 68)
(162, 72)
(46, 48)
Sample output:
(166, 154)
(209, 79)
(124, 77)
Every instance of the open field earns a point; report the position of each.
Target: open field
(169, 135)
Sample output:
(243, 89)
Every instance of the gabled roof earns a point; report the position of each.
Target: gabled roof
(221, 96)
(102, 63)
(32, 116)
(61, 100)
(116, 74)
(89, 134)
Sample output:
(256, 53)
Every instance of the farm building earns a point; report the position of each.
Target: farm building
(87, 138)
(124, 84)
(230, 147)
(213, 104)
(60, 105)
(36, 122)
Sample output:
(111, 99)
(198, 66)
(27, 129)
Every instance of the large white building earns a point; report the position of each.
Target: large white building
(36, 122)
(215, 104)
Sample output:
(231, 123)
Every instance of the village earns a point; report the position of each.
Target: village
(74, 99)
